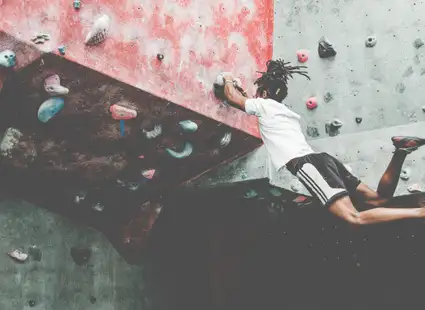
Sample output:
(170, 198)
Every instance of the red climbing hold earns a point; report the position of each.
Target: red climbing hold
(302, 56)
(122, 113)
(311, 103)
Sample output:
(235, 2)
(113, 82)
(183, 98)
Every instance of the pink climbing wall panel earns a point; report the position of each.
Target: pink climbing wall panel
(198, 39)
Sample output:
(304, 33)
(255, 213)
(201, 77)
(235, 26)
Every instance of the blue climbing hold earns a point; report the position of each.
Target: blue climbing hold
(77, 4)
(50, 108)
(62, 49)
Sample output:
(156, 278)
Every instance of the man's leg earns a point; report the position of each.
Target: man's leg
(389, 180)
(344, 208)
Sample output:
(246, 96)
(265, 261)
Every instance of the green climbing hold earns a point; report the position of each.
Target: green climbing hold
(275, 192)
(188, 126)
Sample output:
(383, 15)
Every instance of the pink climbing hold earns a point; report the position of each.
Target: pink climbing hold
(311, 103)
(302, 56)
(148, 174)
(122, 113)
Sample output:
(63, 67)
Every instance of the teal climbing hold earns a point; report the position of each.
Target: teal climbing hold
(77, 4)
(62, 49)
(50, 108)
(187, 150)
(250, 194)
(188, 126)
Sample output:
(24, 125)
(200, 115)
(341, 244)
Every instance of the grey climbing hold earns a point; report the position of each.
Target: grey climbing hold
(133, 186)
(327, 97)
(371, 41)
(98, 207)
(160, 57)
(418, 43)
(359, 120)
(188, 126)
(405, 174)
(40, 38)
(154, 133)
(401, 87)
(7, 59)
(226, 139)
(423, 108)
(414, 188)
(312, 131)
(80, 196)
(336, 123)
(250, 194)
(10, 140)
(187, 150)
(325, 48)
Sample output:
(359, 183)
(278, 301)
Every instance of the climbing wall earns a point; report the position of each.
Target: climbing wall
(372, 86)
(112, 103)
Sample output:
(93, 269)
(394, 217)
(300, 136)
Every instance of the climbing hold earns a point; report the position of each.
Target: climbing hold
(10, 140)
(122, 113)
(80, 197)
(133, 186)
(50, 108)
(148, 174)
(188, 126)
(371, 41)
(325, 48)
(414, 188)
(311, 103)
(77, 4)
(98, 207)
(154, 133)
(327, 97)
(53, 87)
(18, 255)
(62, 49)
(40, 38)
(359, 120)
(219, 80)
(418, 43)
(302, 56)
(275, 192)
(405, 174)
(296, 186)
(160, 57)
(7, 59)
(31, 303)
(187, 150)
(226, 139)
(336, 123)
(250, 194)
(35, 253)
(99, 31)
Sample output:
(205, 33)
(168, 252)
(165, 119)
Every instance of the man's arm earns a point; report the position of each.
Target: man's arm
(234, 95)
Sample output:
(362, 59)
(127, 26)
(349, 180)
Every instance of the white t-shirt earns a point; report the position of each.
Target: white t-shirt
(280, 130)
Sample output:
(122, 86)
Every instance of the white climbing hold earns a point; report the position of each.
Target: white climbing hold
(405, 174)
(52, 85)
(336, 123)
(187, 150)
(154, 133)
(18, 255)
(98, 207)
(226, 139)
(7, 59)
(99, 30)
(10, 140)
(414, 188)
(80, 197)
(188, 126)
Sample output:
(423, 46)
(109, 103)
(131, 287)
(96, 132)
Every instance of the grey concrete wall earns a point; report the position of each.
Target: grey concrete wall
(383, 84)
(55, 282)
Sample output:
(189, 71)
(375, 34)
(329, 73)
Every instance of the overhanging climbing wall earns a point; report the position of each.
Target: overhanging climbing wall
(111, 103)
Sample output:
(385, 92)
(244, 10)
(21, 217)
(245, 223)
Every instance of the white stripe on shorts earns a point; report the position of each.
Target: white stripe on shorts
(316, 184)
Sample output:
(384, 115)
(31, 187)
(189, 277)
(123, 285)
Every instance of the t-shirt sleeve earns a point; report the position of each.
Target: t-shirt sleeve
(255, 107)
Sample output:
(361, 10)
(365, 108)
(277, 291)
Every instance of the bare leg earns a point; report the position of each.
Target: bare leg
(389, 179)
(388, 212)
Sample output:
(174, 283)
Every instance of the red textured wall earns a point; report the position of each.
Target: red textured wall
(198, 39)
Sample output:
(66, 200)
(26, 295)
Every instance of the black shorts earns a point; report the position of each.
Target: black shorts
(325, 177)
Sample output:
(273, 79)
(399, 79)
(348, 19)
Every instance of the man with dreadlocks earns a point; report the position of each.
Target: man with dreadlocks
(324, 176)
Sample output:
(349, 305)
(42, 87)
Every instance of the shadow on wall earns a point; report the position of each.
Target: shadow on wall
(213, 250)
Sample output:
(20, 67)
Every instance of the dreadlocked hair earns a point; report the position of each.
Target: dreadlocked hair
(275, 80)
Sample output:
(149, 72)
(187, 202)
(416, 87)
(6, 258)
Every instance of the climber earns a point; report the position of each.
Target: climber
(325, 177)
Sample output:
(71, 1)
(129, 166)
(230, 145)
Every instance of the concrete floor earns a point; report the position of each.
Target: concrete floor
(55, 281)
